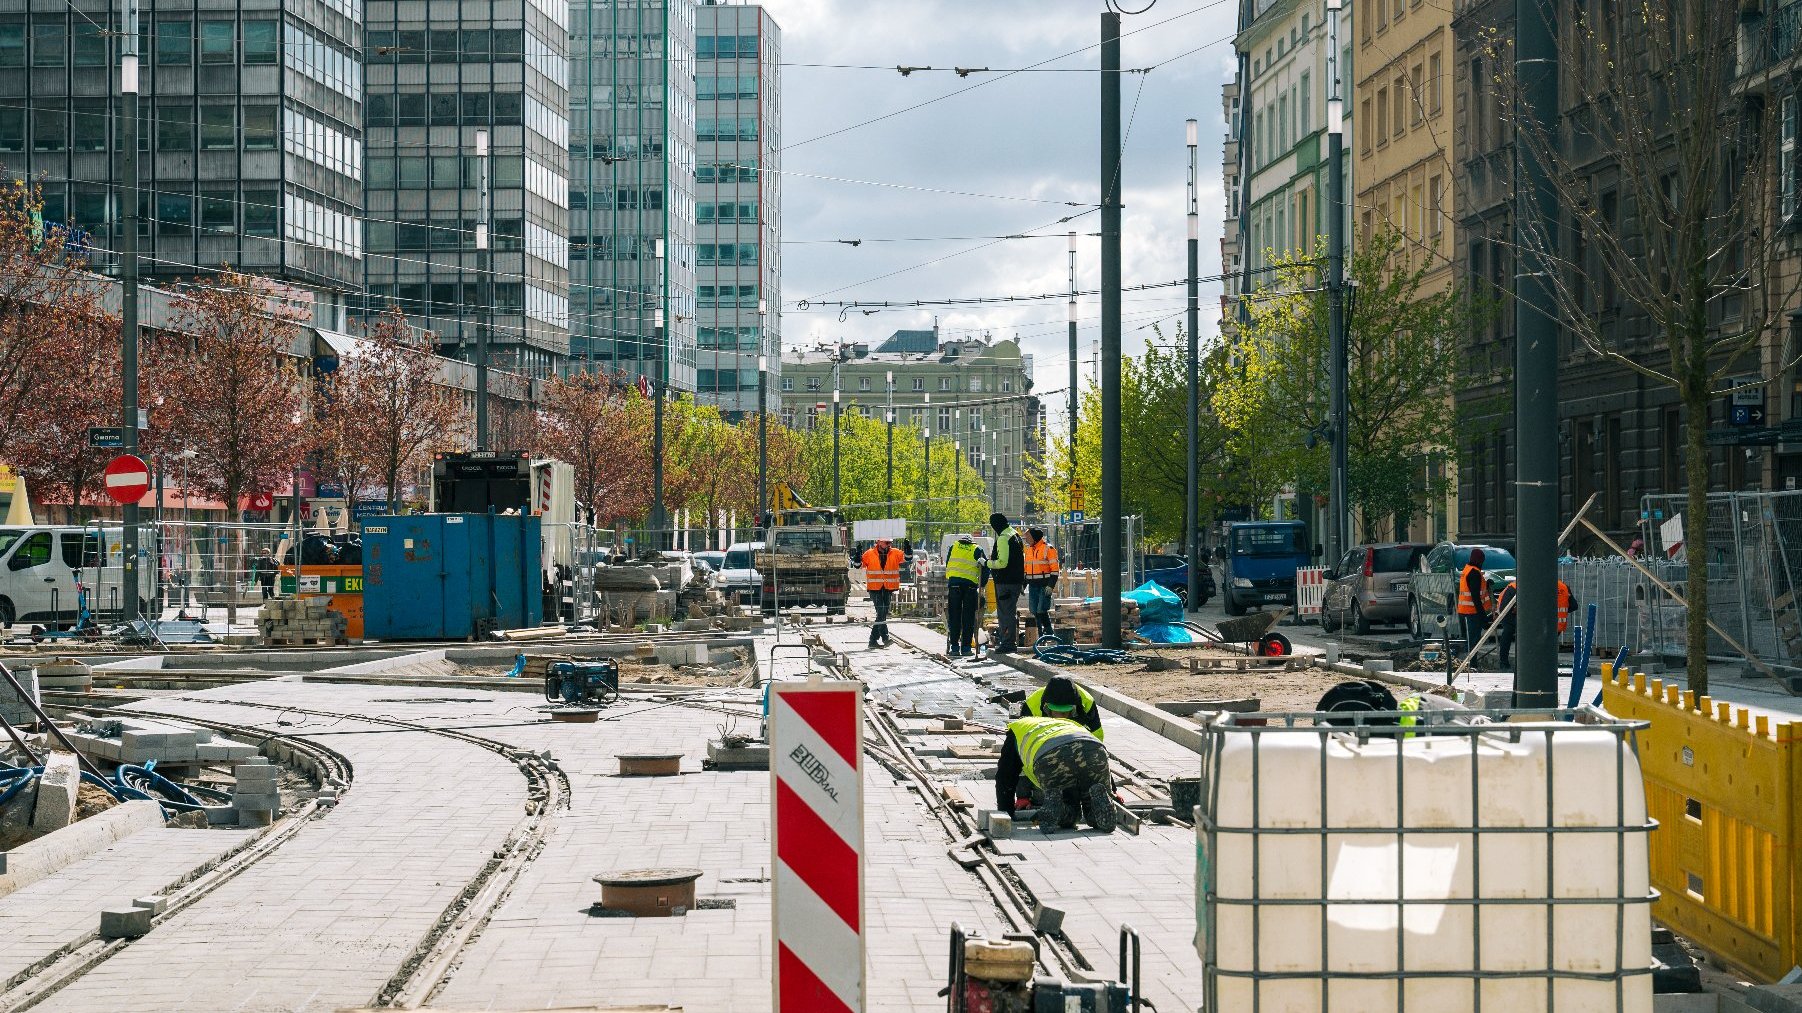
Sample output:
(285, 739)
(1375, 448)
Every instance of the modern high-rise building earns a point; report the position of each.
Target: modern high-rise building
(250, 133)
(434, 83)
(738, 209)
(632, 203)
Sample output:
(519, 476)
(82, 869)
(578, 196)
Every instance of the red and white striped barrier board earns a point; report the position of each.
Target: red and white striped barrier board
(816, 789)
(1310, 590)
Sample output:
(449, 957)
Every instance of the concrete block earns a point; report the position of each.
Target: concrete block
(1046, 919)
(252, 769)
(255, 817)
(55, 805)
(156, 903)
(1001, 826)
(223, 751)
(1774, 998)
(15, 708)
(125, 922)
(982, 819)
(221, 816)
(261, 782)
(244, 800)
(1686, 1002)
(1379, 665)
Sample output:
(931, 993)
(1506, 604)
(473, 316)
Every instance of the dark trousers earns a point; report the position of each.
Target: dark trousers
(1474, 625)
(268, 588)
(1067, 766)
(882, 600)
(960, 613)
(1007, 616)
(1504, 642)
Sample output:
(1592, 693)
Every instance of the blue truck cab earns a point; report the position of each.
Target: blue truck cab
(1259, 561)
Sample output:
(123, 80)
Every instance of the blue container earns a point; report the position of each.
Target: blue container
(450, 576)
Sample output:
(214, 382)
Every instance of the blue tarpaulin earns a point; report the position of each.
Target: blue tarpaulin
(1167, 633)
(1157, 604)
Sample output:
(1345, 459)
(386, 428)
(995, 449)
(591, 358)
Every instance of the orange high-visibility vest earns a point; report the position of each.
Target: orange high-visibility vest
(1467, 606)
(1563, 606)
(882, 574)
(1041, 560)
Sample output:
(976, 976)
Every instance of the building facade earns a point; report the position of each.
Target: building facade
(1403, 168)
(434, 83)
(632, 201)
(1232, 237)
(249, 134)
(738, 202)
(973, 396)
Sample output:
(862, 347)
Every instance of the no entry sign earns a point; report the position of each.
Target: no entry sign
(127, 478)
(816, 790)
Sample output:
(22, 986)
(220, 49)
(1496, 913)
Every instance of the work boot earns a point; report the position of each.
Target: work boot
(1052, 814)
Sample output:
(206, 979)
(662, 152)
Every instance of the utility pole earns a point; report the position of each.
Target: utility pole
(1535, 372)
(837, 364)
(128, 276)
(1111, 554)
(763, 416)
(1338, 527)
(891, 440)
(1072, 393)
(482, 262)
(926, 504)
(1192, 506)
(657, 519)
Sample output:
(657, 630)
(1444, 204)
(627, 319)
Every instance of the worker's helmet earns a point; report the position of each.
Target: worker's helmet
(1060, 694)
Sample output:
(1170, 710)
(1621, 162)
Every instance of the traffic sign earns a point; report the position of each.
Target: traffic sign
(816, 770)
(127, 478)
(1076, 498)
(1071, 517)
(1749, 390)
(1747, 415)
(106, 437)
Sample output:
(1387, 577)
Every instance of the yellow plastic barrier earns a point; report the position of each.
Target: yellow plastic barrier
(1721, 783)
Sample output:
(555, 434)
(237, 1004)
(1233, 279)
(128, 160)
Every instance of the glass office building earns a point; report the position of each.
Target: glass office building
(250, 139)
(738, 209)
(632, 170)
(433, 83)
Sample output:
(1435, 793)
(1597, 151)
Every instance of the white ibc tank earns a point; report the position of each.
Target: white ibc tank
(1543, 914)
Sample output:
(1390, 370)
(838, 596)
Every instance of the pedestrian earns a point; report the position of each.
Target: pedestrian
(265, 569)
(1473, 600)
(964, 577)
(882, 574)
(1041, 569)
(1061, 697)
(1007, 568)
(1066, 763)
(1504, 634)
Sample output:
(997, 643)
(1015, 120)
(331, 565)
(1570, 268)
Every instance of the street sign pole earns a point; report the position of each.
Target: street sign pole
(128, 218)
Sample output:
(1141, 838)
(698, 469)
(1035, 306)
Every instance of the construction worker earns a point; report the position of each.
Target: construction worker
(1066, 763)
(1008, 570)
(1062, 698)
(1473, 600)
(1041, 577)
(965, 573)
(1505, 634)
(882, 575)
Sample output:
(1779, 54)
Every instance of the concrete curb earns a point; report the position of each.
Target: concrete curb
(1183, 733)
(56, 851)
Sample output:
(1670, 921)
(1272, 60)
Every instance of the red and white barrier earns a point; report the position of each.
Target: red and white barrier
(816, 791)
(1310, 590)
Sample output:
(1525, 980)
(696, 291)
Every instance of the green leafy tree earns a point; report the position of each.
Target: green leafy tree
(957, 490)
(1402, 348)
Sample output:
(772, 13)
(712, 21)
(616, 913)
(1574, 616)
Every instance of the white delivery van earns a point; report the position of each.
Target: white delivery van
(40, 566)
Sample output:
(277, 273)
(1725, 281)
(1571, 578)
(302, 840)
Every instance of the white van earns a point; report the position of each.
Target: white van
(40, 565)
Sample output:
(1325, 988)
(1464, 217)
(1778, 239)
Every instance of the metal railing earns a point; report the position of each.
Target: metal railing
(1754, 562)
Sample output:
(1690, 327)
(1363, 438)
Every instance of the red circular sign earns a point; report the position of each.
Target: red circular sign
(127, 478)
(262, 501)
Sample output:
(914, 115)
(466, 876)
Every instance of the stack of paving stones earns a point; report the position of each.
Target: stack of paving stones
(65, 675)
(538, 665)
(1083, 620)
(301, 622)
(16, 709)
(257, 794)
(138, 740)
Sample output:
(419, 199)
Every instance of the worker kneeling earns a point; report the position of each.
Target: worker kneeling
(1068, 765)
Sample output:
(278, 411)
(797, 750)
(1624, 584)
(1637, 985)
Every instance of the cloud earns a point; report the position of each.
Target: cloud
(1027, 135)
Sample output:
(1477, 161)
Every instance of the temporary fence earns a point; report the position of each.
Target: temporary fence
(1721, 783)
(1754, 542)
(1310, 590)
(203, 565)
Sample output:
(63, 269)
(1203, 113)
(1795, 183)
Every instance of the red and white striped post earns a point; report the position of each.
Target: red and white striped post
(816, 791)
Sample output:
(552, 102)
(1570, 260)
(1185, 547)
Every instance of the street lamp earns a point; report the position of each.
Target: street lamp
(482, 261)
(891, 439)
(657, 520)
(837, 500)
(763, 418)
(1192, 504)
(927, 505)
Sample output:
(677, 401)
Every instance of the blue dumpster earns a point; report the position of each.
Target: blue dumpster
(450, 576)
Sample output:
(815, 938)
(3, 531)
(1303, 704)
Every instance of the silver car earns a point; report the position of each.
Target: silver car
(1370, 585)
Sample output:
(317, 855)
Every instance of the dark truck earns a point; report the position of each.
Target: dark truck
(1260, 559)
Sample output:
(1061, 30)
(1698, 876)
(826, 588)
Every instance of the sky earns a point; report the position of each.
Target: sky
(1030, 135)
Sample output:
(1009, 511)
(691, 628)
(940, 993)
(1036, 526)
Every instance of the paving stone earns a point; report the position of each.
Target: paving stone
(124, 922)
(157, 903)
(54, 808)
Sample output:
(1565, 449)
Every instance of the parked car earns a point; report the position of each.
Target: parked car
(737, 578)
(1171, 571)
(1436, 576)
(1370, 585)
(1260, 562)
(712, 559)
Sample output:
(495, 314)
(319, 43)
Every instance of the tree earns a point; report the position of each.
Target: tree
(863, 470)
(49, 305)
(233, 389)
(601, 426)
(1402, 347)
(384, 410)
(1678, 271)
(512, 425)
(79, 386)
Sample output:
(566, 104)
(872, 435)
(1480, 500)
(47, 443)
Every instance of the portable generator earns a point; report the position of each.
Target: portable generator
(582, 683)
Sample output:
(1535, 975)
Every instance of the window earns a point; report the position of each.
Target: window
(813, 383)
(944, 421)
(174, 214)
(49, 43)
(788, 383)
(218, 128)
(12, 129)
(1307, 103)
(1786, 160)
(174, 43)
(217, 41)
(259, 128)
(1401, 100)
(89, 47)
(90, 124)
(12, 44)
(174, 128)
(1382, 116)
(261, 212)
(49, 126)
(1417, 97)
(919, 383)
(262, 41)
(218, 212)
(33, 551)
(863, 383)
(1478, 125)
(1435, 84)
(1364, 127)
(1365, 17)
(1436, 213)
(1282, 136)
(975, 384)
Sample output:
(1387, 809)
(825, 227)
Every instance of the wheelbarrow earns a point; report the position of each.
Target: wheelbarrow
(1256, 633)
